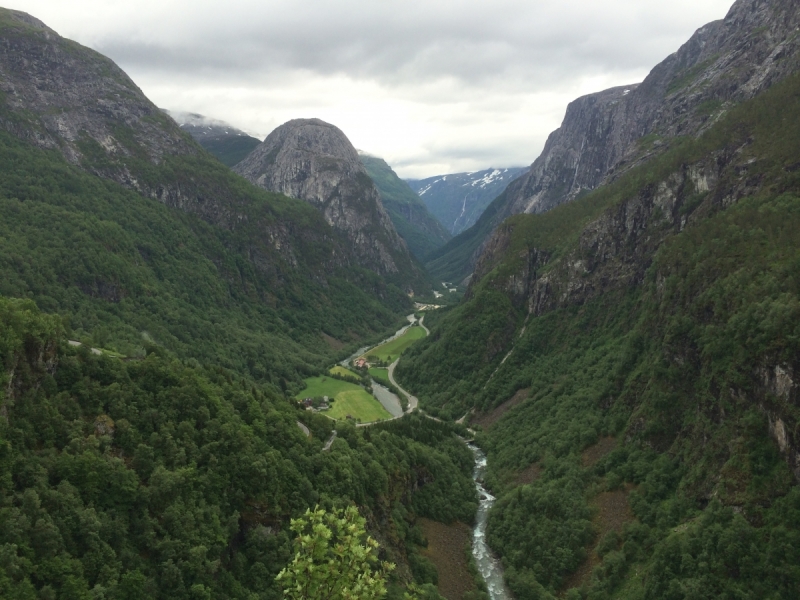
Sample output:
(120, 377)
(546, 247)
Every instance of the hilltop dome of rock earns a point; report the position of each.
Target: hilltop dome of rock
(314, 161)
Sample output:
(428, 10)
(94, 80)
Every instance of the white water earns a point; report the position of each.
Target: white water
(488, 566)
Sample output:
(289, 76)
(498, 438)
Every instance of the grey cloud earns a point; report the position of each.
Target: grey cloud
(395, 42)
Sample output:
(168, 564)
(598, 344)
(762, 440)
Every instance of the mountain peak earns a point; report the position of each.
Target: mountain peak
(23, 18)
(314, 161)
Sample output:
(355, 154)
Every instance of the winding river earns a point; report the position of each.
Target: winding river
(488, 566)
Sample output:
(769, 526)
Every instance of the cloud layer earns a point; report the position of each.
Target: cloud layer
(432, 87)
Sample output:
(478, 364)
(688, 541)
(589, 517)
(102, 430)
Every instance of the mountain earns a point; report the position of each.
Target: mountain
(157, 315)
(459, 199)
(142, 235)
(228, 144)
(630, 359)
(314, 161)
(421, 231)
(605, 134)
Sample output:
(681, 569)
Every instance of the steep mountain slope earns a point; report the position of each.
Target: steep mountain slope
(604, 134)
(167, 242)
(228, 144)
(633, 358)
(421, 231)
(459, 199)
(314, 161)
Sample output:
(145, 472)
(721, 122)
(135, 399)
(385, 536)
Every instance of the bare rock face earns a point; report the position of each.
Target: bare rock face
(603, 134)
(314, 161)
(60, 95)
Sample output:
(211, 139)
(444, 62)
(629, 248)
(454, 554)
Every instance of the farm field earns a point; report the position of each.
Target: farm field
(380, 375)
(340, 370)
(348, 399)
(391, 350)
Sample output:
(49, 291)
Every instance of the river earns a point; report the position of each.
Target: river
(488, 566)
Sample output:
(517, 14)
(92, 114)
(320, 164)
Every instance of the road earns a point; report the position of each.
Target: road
(304, 428)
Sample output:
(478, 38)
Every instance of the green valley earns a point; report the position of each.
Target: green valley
(212, 385)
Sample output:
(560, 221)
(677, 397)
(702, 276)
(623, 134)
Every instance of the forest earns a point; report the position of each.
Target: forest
(657, 394)
(161, 478)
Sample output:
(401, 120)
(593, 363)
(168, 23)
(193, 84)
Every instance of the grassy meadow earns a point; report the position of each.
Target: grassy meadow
(340, 370)
(348, 399)
(391, 350)
(380, 375)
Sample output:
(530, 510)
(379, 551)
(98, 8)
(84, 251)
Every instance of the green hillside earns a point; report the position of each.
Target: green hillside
(127, 272)
(640, 440)
(421, 231)
(161, 478)
(230, 150)
(453, 260)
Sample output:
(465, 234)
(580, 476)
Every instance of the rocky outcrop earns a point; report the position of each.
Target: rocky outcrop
(314, 161)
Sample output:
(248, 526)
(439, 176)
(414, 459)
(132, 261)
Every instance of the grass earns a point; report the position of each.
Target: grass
(391, 350)
(340, 370)
(380, 375)
(349, 399)
(358, 404)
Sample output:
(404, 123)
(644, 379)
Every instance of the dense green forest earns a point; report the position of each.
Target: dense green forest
(161, 478)
(658, 393)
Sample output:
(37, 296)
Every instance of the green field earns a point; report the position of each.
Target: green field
(339, 370)
(380, 375)
(349, 399)
(391, 350)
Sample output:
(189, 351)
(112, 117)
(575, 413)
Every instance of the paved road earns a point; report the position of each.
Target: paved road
(304, 428)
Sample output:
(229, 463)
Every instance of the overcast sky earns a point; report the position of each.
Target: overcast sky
(432, 86)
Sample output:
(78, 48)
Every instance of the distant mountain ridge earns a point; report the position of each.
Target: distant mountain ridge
(457, 200)
(412, 219)
(605, 134)
(229, 144)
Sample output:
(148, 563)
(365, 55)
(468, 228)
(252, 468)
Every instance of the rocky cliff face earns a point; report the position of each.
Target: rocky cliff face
(603, 135)
(60, 95)
(622, 246)
(314, 161)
